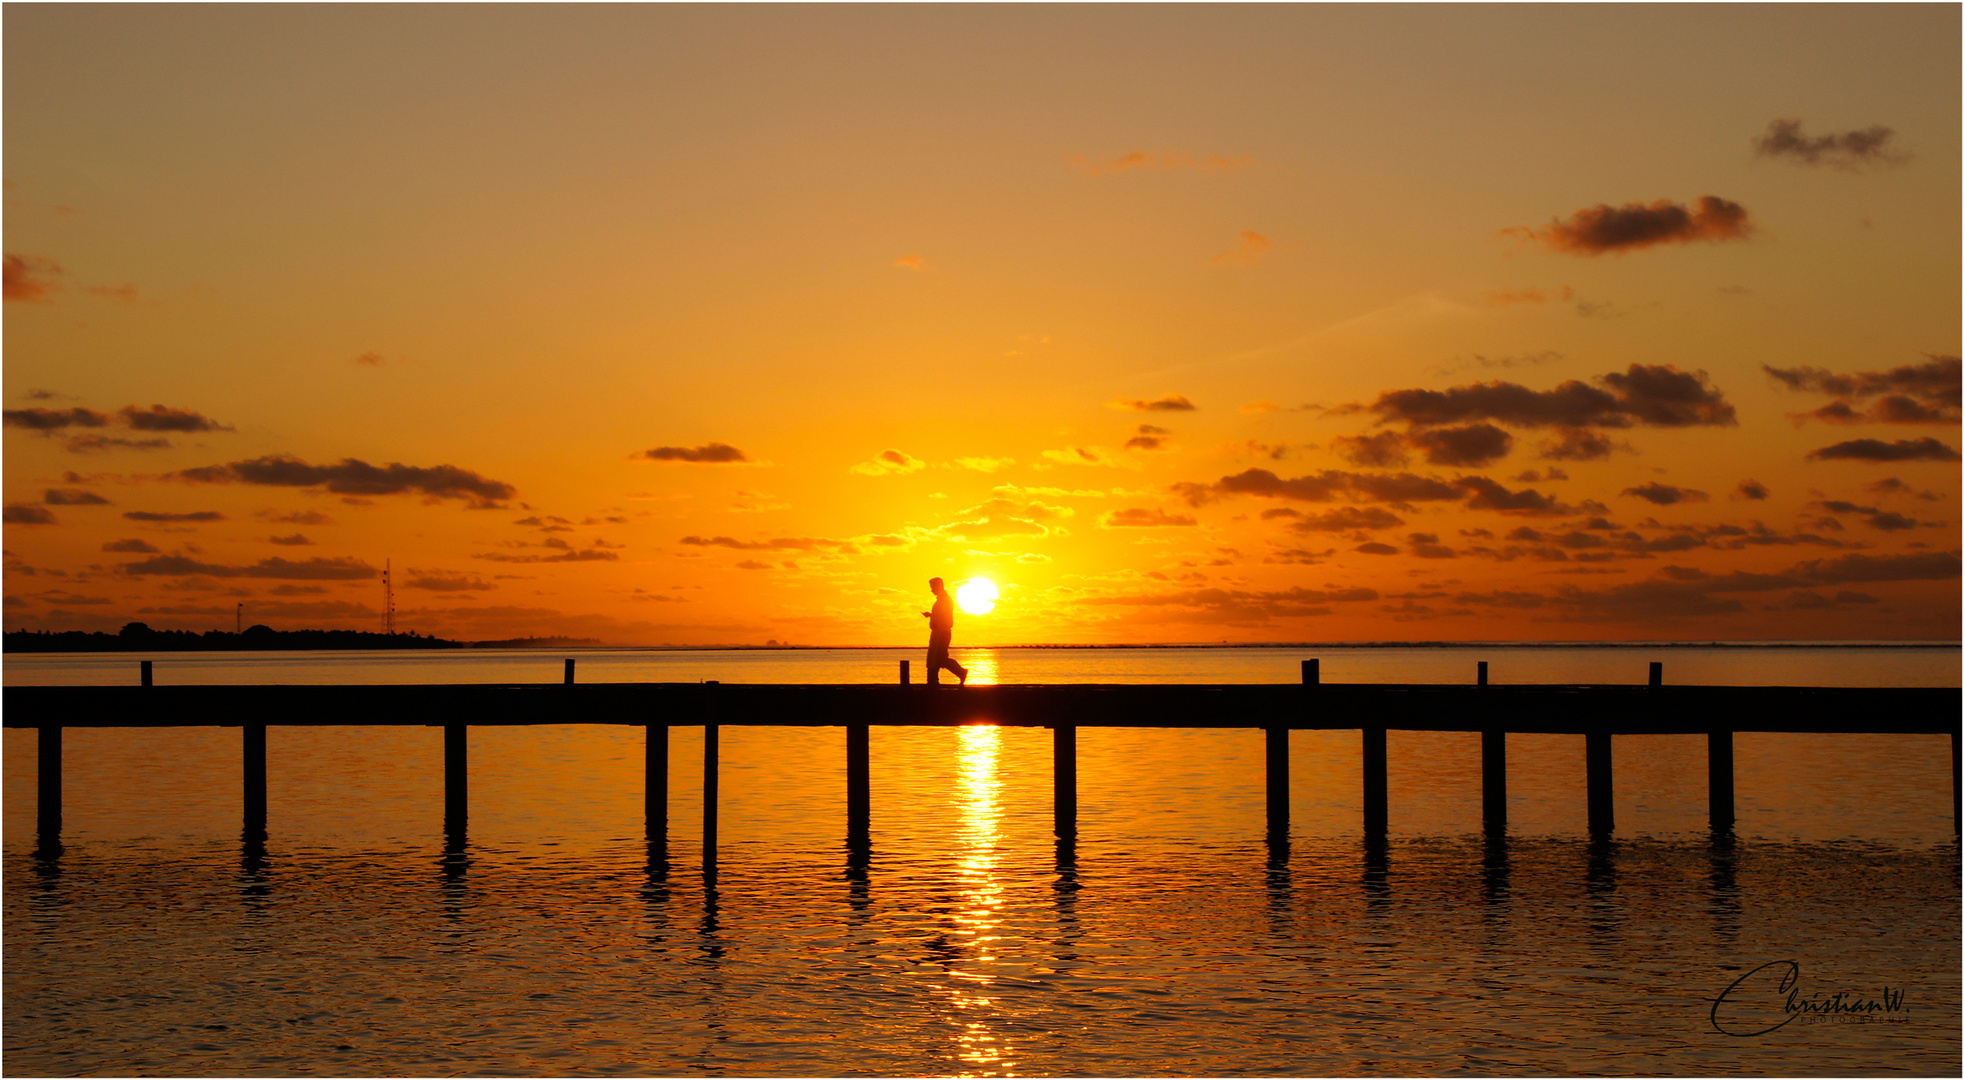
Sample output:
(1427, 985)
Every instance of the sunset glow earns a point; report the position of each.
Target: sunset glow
(686, 325)
(977, 596)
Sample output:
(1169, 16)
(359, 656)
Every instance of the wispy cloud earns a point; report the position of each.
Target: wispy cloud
(890, 463)
(317, 569)
(1247, 251)
(351, 476)
(1926, 393)
(1141, 161)
(1847, 150)
(910, 261)
(1594, 230)
(1165, 403)
(30, 278)
(714, 453)
(1143, 518)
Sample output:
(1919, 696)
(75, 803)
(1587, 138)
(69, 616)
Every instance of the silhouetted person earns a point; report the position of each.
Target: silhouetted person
(941, 630)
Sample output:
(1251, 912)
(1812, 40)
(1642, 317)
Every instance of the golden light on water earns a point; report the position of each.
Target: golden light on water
(979, 894)
(977, 596)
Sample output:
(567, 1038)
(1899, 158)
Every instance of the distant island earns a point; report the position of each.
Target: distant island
(138, 637)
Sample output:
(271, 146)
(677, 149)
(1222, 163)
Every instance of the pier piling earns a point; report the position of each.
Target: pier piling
(569, 671)
(906, 676)
(1602, 797)
(1718, 782)
(1063, 763)
(1493, 770)
(710, 753)
(654, 790)
(456, 777)
(1278, 779)
(146, 673)
(1376, 805)
(1657, 673)
(254, 800)
(48, 769)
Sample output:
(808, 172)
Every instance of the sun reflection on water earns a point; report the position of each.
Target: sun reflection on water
(979, 896)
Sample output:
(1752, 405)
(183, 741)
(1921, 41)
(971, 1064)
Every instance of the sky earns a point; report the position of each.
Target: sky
(729, 325)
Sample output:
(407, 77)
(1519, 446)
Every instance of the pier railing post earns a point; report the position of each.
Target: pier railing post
(456, 777)
(1064, 775)
(710, 755)
(48, 776)
(254, 799)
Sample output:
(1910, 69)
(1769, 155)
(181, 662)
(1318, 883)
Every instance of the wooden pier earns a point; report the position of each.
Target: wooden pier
(1597, 713)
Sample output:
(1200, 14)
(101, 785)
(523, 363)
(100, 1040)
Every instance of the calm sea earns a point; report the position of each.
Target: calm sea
(1170, 939)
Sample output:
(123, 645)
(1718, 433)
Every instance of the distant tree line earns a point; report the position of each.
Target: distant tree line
(138, 637)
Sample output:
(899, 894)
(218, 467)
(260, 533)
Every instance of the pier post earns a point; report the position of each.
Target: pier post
(905, 675)
(654, 789)
(1376, 804)
(1718, 778)
(569, 671)
(1064, 773)
(1956, 805)
(48, 769)
(1602, 796)
(1657, 673)
(859, 782)
(1493, 770)
(710, 754)
(456, 777)
(146, 673)
(254, 799)
(1278, 779)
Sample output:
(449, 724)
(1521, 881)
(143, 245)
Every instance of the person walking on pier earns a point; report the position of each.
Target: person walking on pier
(940, 631)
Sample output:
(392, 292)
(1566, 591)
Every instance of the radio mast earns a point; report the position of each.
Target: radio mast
(388, 601)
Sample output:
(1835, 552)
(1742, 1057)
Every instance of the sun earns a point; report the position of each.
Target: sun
(977, 596)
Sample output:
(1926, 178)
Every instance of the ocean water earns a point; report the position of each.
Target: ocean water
(1173, 937)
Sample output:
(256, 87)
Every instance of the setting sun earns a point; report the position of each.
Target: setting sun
(977, 596)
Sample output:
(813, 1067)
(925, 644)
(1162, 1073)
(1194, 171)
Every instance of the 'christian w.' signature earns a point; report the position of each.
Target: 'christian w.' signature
(1769, 997)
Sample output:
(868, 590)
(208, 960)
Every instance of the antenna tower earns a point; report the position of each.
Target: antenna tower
(388, 601)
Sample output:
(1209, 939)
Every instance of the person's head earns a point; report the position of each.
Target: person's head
(934, 585)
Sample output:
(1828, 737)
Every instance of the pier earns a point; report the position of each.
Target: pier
(1598, 714)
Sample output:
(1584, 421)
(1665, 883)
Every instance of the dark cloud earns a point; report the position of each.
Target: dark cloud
(1657, 395)
(1665, 494)
(1466, 447)
(296, 540)
(1602, 228)
(1139, 517)
(714, 453)
(316, 569)
(1536, 476)
(27, 514)
(354, 477)
(1375, 548)
(582, 555)
(1427, 546)
(1150, 437)
(1489, 495)
(155, 515)
(1326, 486)
(1843, 150)
(130, 547)
(782, 543)
(73, 497)
(1926, 393)
(1384, 449)
(1924, 449)
(27, 277)
(1874, 517)
(1238, 606)
(1169, 403)
(1749, 489)
(162, 418)
(446, 581)
(296, 517)
(39, 419)
(87, 444)
(1345, 519)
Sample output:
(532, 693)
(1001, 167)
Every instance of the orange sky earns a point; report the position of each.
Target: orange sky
(721, 325)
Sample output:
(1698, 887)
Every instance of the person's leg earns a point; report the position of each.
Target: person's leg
(937, 656)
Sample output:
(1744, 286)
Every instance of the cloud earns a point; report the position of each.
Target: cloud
(782, 543)
(446, 581)
(84, 444)
(1239, 606)
(1489, 495)
(1874, 517)
(130, 547)
(1597, 229)
(1924, 449)
(910, 261)
(27, 514)
(714, 453)
(1329, 485)
(73, 497)
(155, 515)
(296, 517)
(354, 477)
(582, 555)
(1247, 253)
(1167, 403)
(1427, 546)
(1139, 517)
(296, 540)
(316, 569)
(1150, 437)
(1576, 444)
(1375, 548)
(1082, 455)
(1926, 393)
(1519, 297)
(1005, 515)
(1139, 160)
(1468, 447)
(889, 463)
(1343, 519)
(1384, 449)
(370, 358)
(162, 418)
(1657, 395)
(1665, 494)
(1749, 489)
(121, 294)
(27, 278)
(47, 420)
(985, 464)
(1849, 150)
